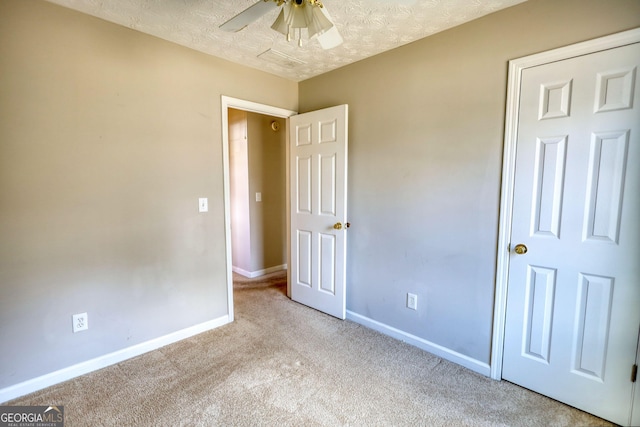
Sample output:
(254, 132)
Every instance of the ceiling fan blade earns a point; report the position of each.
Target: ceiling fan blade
(330, 38)
(248, 15)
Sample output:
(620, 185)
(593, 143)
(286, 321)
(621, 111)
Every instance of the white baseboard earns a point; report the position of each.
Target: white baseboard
(253, 274)
(438, 350)
(47, 380)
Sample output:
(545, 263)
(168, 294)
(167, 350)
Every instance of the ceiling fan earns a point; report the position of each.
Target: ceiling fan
(294, 15)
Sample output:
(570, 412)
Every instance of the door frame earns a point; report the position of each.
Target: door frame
(252, 107)
(516, 67)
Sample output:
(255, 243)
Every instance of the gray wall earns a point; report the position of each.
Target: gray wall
(425, 147)
(107, 139)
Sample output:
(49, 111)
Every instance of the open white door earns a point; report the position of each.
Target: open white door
(318, 196)
(573, 301)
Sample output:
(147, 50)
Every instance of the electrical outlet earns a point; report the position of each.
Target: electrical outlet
(412, 301)
(80, 322)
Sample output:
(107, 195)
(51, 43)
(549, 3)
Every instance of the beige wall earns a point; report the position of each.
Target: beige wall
(267, 173)
(109, 136)
(239, 191)
(107, 139)
(257, 164)
(425, 152)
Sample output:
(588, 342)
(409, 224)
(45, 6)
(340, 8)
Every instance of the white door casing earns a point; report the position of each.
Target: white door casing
(572, 318)
(516, 68)
(318, 209)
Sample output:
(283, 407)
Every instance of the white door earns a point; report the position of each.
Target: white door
(573, 302)
(318, 186)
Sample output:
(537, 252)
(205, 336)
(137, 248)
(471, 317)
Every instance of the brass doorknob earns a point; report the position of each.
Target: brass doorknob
(337, 226)
(521, 249)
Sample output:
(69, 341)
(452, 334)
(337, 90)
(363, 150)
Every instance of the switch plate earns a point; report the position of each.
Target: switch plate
(258, 197)
(412, 301)
(80, 322)
(203, 204)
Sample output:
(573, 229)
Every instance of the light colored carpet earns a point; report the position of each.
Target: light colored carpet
(283, 364)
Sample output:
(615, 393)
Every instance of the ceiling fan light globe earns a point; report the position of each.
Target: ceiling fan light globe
(291, 16)
(280, 25)
(295, 15)
(318, 23)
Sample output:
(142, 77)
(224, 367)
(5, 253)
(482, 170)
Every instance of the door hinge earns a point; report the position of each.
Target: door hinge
(634, 373)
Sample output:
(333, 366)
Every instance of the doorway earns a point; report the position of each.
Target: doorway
(318, 167)
(228, 103)
(257, 169)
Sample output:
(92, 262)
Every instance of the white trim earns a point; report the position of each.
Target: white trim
(254, 107)
(287, 199)
(82, 368)
(516, 67)
(438, 350)
(258, 273)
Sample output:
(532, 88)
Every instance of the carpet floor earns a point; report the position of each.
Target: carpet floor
(283, 364)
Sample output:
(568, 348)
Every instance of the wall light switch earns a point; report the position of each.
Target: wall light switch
(203, 204)
(258, 197)
(412, 301)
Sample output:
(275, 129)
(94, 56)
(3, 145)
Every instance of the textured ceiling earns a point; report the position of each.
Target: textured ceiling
(368, 27)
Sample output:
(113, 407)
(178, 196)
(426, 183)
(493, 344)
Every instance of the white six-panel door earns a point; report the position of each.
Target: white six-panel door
(573, 302)
(318, 194)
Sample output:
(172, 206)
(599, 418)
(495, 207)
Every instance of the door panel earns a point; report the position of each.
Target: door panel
(572, 314)
(318, 201)
(607, 164)
(549, 179)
